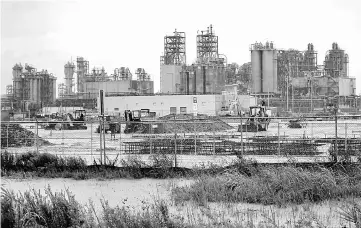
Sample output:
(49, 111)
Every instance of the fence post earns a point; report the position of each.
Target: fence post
(214, 139)
(91, 141)
(242, 149)
(62, 134)
(120, 136)
(150, 138)
(195, 138)
(345, 138)
(7, 136)
(175, 149)
(101, 143)
(104, 145)
(37, 136)
(336, 141)
(279, 139)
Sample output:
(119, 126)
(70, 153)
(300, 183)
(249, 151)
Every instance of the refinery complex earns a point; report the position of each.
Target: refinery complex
(297, 81)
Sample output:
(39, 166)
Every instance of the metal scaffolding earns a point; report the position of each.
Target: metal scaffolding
(32, 86)
(122, 73)
(207, 46)
(175, 49)
(142, 75)
(82, 67)
(336, 62)
(9, 90)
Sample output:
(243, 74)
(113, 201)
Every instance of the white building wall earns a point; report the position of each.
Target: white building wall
(108, 86)
(347, 86)
(206, 104)
(50, 110)
(170, 78)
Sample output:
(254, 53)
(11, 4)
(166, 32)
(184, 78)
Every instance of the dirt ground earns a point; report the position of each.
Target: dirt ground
(86, 143)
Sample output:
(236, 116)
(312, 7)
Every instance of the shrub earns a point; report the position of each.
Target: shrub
(270, 186)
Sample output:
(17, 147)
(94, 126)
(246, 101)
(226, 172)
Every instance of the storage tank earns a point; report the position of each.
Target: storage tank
(256, 59)
(34, 89)
(269, 71)
(54, 90)
(17, 71)
(69, 75)
(275, 75)
(345, 65)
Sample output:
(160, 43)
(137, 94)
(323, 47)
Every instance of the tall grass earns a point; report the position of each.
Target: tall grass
(280, 186)
(351, 212)
(33, 209)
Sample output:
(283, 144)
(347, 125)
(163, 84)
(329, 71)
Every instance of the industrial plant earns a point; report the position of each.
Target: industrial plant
(31, 89)
(291, 80)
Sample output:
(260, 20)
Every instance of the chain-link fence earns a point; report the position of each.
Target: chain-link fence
(102, 140)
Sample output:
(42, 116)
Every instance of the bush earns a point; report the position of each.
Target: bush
(34, 161)
(32, 209)
(271, 186)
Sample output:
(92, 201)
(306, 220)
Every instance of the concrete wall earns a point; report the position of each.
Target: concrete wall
(207, 104)
(170, 78)
(93, 88)
(347, 86)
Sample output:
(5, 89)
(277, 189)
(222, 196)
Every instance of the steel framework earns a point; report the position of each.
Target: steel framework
(175, 49)
(62, 90)
(207, 46)
(336, 62)
(142, 75)
(9, 90)
(122, 73)
(82, 70)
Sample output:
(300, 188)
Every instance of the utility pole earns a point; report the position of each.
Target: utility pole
(311, 92)
(288, 78)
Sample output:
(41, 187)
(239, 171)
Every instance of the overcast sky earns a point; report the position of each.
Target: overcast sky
(112, 34)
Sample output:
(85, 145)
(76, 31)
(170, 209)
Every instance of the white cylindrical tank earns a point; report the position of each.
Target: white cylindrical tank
(269, 71)
(69, 69)
(17, 86)
(256, 61)
(34, 90)
(54, 90)
(275, 75)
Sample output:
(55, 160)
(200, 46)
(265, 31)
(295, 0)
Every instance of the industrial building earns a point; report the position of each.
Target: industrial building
(290, 79)
(31, 89)
(264, 68)
(205, 76)
(88, 83)
(177, 104)
(295, 80)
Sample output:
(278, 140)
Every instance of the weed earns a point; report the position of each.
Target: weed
(279, 186)
(33, 209)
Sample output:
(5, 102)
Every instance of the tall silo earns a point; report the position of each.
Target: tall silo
(345, 66)
(17, 85)
(53, 98)
(269, 70)
(256, 60)
(69, 69)
(275, 73)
